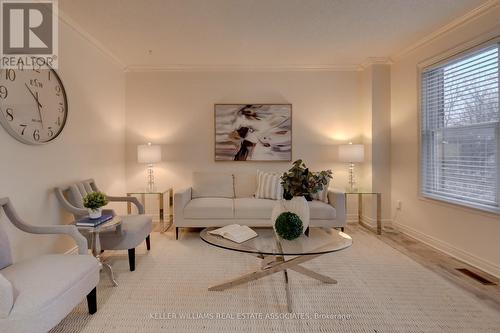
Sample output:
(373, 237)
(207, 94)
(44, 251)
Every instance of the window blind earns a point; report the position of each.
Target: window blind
(460, 132)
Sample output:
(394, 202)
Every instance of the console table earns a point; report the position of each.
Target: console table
(169, 193)
(378, 195)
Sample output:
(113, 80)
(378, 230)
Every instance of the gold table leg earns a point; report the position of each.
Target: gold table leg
(379, 214)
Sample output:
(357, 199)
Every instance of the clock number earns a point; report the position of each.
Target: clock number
(10, 74)
(10, 114)
(51, 133)
(61, 109)
(3, 92)
(58, 90)
(36, 135)
(50, 74)
(58, 121)
(24, 128)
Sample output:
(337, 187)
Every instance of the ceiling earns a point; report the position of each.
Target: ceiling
(259, 33)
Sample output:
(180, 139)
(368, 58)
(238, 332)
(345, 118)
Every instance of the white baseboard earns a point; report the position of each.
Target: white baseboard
(73, 250)
(451, 250)
(372, 222)
(351, 218)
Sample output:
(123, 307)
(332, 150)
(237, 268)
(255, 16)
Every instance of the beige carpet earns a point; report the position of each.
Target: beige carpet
(379, 290)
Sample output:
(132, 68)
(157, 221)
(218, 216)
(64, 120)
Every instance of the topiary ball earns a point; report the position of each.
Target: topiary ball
(288, 225)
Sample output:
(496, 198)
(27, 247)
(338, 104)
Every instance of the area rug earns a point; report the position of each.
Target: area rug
(379, 290)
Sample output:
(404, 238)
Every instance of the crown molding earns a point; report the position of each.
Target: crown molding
(222, 68)
(454, 24)
(91, 39)
(375, 61)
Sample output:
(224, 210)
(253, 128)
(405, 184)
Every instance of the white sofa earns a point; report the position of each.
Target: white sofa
(218, 199)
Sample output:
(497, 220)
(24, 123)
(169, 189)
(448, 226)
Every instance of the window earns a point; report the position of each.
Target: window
(460, 132)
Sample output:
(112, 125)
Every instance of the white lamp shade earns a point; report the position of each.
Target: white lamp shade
(148, 153)
(351, 153)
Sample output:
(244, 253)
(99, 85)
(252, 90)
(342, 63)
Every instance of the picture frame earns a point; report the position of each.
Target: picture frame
(253, 132)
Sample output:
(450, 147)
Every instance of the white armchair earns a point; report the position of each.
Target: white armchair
(36, 294)
(133, 230)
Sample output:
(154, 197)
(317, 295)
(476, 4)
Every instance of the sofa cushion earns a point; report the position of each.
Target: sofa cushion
(245, 185)
(6, 297)
(251, 208)
(41, 281)
(321, 211)
(213, 185)
(209, 208)
(132, 232)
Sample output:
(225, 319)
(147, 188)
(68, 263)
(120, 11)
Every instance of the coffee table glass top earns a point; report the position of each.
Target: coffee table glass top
(319, 241)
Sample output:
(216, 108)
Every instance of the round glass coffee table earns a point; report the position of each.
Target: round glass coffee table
(273, 249)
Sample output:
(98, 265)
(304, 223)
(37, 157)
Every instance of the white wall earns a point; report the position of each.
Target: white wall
(91, 145)
(468, 234)
(175, 109)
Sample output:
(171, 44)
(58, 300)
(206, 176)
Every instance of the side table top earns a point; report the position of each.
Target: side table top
(146, 192)
(108, 225)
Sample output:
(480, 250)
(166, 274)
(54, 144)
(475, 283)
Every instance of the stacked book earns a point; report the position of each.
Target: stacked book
(88, 222)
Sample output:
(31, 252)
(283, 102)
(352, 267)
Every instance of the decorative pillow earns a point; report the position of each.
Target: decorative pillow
(269, 186)
(212, 185)
(6, 297)
(322, 195)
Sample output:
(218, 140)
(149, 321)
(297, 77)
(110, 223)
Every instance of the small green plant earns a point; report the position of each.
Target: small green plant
(95, 200)
(299, 181)
(288, 226)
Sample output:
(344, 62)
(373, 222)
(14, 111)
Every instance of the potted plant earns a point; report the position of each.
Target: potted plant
(94, 202)
(299, 181)
(299, 184)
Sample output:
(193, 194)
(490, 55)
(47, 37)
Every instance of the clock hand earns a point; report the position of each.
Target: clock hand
(39, 109)
(38, 105)
(35, 97)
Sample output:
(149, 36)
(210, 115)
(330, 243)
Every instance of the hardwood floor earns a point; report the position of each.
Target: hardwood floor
(442, 264)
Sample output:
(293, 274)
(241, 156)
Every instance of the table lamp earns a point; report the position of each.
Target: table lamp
(149, 154)
(352, 153)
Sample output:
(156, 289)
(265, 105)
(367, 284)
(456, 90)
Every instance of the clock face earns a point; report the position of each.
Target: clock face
(33, 105)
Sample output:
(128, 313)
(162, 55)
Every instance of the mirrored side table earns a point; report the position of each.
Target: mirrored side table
(167, 195)
(378, 196)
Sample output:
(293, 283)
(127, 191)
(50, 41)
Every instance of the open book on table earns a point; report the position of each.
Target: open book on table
(235, 232)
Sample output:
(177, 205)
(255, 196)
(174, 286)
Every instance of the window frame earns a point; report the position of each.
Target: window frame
(427, 65)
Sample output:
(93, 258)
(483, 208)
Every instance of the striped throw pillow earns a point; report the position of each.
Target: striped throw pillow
(268, 186)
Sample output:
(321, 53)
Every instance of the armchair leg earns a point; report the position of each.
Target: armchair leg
(92, 301)
(148, 242)
(176, 233)
(131, 259)
(342, 229)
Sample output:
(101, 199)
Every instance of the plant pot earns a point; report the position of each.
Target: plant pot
(95, 213)
(297, 205)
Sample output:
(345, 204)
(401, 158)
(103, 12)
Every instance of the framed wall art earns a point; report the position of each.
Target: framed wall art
(253, 132)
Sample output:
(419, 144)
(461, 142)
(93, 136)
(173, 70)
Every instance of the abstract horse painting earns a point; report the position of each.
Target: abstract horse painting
(253, 132)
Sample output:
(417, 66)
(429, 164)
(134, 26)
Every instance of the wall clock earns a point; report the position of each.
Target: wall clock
(33, 104)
